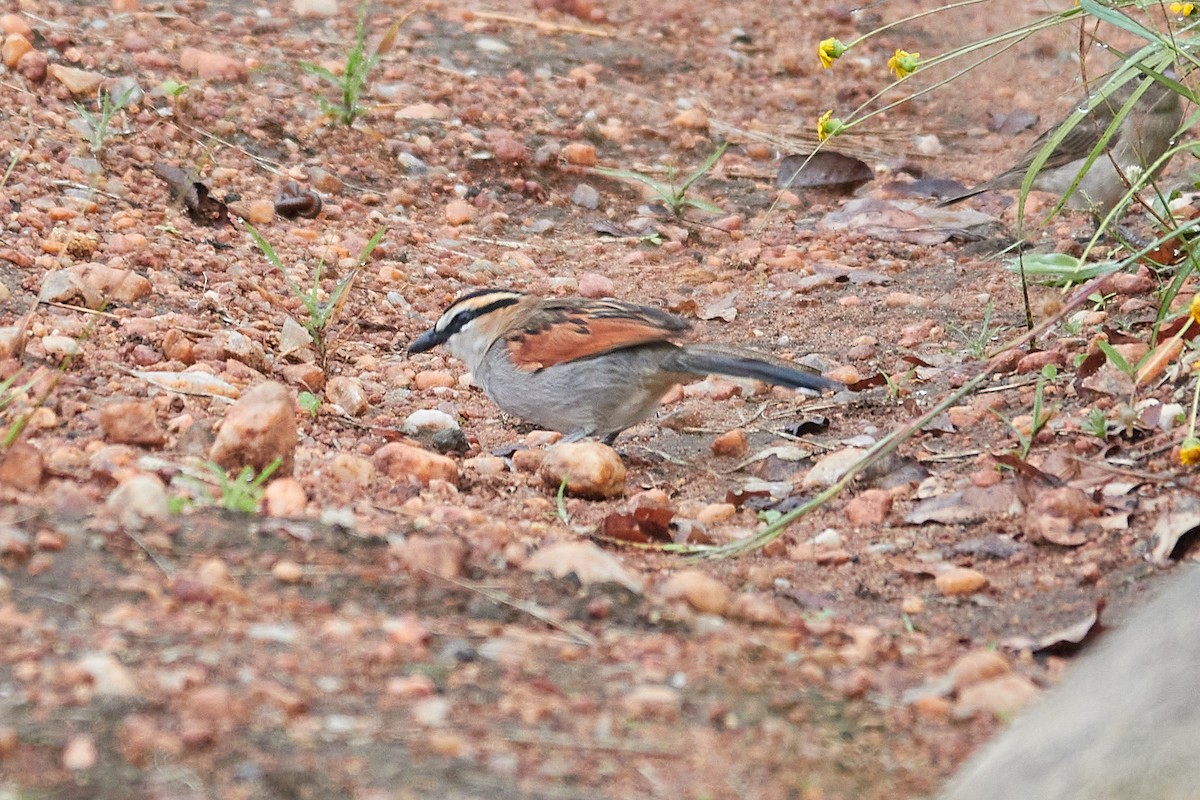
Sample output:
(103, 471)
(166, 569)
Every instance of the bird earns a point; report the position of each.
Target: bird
(1141, 137)
(588, 367)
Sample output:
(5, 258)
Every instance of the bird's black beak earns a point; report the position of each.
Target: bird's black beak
(426, 341)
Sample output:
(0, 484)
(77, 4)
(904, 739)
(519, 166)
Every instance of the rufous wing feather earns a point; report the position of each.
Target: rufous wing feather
(577, 336)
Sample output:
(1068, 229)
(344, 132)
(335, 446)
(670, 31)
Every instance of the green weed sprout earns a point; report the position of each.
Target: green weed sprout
(1040, 415)
(358, 65)
(243, 493)
(97, 127)
(318, 314)
(977, 343)
(309, 403)
(674, 196)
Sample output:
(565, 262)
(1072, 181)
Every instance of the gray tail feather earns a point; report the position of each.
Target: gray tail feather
(706, 359)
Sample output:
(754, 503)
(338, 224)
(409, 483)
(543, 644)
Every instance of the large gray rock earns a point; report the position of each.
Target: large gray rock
(1123, 725)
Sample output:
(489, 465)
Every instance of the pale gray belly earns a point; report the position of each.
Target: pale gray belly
(594, 396)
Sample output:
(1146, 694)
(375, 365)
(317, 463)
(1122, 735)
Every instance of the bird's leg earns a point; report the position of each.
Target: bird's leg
(612, 437)
(575, 436)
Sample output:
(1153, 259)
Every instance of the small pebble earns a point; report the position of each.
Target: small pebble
(870, 507)
(653, 702)
(715, 513)
(459, 212)
(78, 81)
(912, 605)
(404, 462)
(594, 285)
(960, 580)
(429, 379)
(591, 469)
(1002, 697)
(284, 497)
(80, 752)
(213, 66)
(701, 591)
(351, 469)
(580, 154)
(287, 571)
(978, 666)
(15, 46)
(138, 501)
(347, 392)
(694, 118)
(132, 422)
(585, 196)
(257, 429)
(731, 444)
(22, 466)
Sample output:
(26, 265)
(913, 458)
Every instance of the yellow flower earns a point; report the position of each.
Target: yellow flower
(1182, 9)
(828, 126)
(904, 63)
(830, 50)
(1189, 451)
(1194, 308)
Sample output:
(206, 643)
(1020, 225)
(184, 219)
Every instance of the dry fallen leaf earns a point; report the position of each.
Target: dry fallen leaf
(823, 170)
(202, 207)
(1064, 641)
(646, 524)
(973, 504)
(724, 307)
(1176, 529)
(906, 221)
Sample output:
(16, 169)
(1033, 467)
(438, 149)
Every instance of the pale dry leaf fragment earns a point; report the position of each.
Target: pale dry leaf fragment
(586, 561)
(906, 221)
(201, 384)
(1177, 520)
(823, 170)
(293, 337)
(783, 453)
(1064, 640)
(723, 307)
(1153, 365)
(973, 504)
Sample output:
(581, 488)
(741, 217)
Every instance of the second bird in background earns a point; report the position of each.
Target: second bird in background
(1141, 137)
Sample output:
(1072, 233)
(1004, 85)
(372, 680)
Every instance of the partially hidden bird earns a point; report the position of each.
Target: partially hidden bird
(588, 367)
(1140, 138)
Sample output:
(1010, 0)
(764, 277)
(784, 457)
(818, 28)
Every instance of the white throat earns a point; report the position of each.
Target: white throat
(470, 345)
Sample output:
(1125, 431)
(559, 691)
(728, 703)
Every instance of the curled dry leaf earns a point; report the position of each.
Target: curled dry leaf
(973, 504)
(646, 524)
(1161, 357)
(724, 307)
(1176, 530)
(201, 206)
(1065, 641)
(823, 170)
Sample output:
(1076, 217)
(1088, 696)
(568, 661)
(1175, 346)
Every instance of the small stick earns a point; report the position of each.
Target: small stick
(562, 740)
(163, 568)
(552, 27)
(578, 635)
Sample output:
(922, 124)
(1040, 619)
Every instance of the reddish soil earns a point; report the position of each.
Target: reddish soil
(388, 639)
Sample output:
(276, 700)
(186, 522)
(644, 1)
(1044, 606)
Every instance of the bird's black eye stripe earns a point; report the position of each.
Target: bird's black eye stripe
(468, 314)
